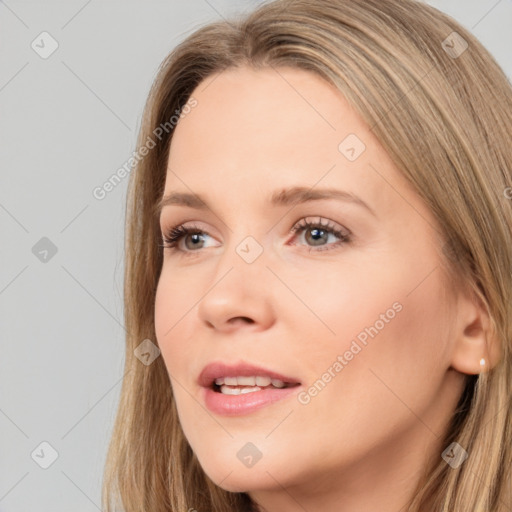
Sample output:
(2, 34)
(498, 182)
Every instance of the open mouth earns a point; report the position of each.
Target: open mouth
(248, 384)
(242, 388)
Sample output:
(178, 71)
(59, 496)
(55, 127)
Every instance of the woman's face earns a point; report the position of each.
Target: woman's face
(352, 309)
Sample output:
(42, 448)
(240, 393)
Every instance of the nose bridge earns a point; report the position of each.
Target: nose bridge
(246, 246)
(238, 288)
(244, 260)
(250, 250)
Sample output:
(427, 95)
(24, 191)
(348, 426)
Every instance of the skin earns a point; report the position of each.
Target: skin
(361, 443)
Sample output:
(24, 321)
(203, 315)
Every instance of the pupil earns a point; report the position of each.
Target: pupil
(316, 232)
(195, 237)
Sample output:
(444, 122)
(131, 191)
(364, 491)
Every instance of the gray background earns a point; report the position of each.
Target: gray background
(67, 124)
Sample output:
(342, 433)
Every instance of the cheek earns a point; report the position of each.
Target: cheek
(340, 308)
(171, 325)
(387, 318)
(165, 307)
(388, 357)
(176, 347)
(399, 310)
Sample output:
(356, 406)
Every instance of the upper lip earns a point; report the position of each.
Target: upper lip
(218, 369)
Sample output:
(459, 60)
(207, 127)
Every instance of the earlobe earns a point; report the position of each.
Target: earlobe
(476, 346)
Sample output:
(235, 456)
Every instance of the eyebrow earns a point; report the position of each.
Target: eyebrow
(286, 197)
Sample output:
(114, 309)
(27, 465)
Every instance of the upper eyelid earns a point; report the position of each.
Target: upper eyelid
(187, 224)
(311, 219)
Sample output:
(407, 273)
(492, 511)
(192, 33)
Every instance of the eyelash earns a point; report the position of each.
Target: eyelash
(174, 235)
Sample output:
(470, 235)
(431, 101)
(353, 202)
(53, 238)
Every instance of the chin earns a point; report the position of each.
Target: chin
(237, 478)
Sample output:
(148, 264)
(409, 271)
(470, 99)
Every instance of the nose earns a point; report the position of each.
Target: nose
(239, 295)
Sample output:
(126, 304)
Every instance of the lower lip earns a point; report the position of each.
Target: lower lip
(237, 405)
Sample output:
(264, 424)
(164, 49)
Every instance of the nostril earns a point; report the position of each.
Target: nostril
(245, 319)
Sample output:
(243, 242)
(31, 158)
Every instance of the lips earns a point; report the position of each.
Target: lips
(229, 390)
(219, 370)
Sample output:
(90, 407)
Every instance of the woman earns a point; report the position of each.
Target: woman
(340, 340)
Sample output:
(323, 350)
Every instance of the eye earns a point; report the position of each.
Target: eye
(173, 238)
(316, 233)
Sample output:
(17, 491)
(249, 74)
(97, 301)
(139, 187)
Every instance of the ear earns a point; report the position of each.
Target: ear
(474, 336)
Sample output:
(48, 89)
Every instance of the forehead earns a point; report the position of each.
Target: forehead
(276, 107)
(255, 131)
(261, 114)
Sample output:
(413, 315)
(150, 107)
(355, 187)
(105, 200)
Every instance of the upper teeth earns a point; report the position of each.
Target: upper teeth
(249, 381)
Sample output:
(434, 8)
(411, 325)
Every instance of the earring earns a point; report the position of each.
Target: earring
(482, 363)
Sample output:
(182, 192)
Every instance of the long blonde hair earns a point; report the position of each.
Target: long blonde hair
(443, 112)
